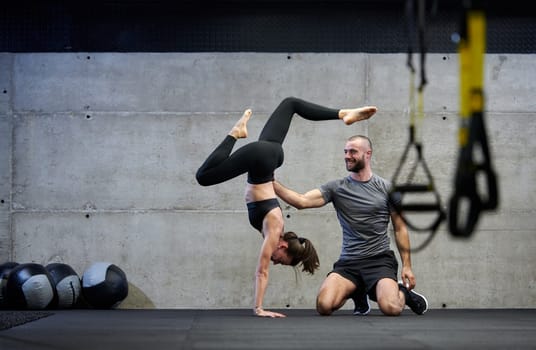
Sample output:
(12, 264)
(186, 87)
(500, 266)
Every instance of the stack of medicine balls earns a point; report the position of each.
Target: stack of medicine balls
(32, 286)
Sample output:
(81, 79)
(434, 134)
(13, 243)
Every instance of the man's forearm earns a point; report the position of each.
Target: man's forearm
(286, 194)
(402, 243)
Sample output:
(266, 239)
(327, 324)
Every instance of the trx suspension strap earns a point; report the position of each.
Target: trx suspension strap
(472, 133)
(428, 187)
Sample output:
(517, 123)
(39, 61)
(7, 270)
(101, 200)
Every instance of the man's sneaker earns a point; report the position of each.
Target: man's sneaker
(416, 302)
(361, 301)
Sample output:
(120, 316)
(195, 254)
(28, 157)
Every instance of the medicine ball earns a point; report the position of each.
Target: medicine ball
(67, 284)
(29, 286)
(104, 285)
(5, 269)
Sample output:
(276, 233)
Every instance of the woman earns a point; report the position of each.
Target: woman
(259, 160)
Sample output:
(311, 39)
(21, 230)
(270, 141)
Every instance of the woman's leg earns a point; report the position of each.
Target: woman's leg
(278, 124)
(220, 165)
(263, 158)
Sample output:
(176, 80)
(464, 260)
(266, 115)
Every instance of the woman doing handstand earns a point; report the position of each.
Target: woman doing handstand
(259, 159)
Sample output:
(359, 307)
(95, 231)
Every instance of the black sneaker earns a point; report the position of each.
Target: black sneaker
(416, 302)
(361, 301)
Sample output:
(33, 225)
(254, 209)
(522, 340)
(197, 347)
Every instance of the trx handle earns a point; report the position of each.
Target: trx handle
(465, 191)
(399, 190)
(466, 184)
(413, 188)
(472, 132)
(478, 136)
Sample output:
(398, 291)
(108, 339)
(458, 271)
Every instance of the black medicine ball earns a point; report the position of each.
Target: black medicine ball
(29, 286)
(67, 284)
(5, 269)
(104, 285)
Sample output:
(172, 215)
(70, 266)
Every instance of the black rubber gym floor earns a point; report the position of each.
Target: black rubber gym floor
(302, 329)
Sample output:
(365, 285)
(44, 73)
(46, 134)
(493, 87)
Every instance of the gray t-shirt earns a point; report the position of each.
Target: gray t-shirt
(364, 211)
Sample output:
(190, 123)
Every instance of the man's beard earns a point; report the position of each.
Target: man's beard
(357, 166)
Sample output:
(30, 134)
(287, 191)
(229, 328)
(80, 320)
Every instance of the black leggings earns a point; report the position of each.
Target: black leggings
(260, 158)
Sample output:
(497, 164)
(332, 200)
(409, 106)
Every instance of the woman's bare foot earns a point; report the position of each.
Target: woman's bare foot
(240, 130)
(350, 116)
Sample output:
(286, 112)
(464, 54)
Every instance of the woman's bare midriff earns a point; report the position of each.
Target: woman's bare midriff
(259, 192)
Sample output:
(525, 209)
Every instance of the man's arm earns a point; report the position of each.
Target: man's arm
(311, 199)
(402, 243)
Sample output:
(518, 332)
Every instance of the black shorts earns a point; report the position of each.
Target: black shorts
(366, 272)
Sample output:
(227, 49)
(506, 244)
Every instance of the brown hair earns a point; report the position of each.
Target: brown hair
(302, 251)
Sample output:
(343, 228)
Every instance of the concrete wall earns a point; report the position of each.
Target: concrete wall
(98, 153)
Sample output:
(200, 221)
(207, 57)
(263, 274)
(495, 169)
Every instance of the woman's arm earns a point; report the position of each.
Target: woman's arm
(272, 229)
(261, 280)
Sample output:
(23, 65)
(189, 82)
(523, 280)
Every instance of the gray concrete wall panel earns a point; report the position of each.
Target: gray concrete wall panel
(5, 188)
(5, 236)
(145, 82)
(99, 153)
(179, 259)
(5, 83)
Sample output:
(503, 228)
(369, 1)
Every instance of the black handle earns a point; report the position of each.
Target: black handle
(464, 192)
(405, 188)
(489, 200)
(396, 200)
(399, 190)
(465, 185)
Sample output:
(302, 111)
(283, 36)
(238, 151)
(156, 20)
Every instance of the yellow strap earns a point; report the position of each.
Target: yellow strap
(420, 115)
(411, 107)
(471, 51)
(477, 47)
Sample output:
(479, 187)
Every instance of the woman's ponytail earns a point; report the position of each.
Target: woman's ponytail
(302, 251)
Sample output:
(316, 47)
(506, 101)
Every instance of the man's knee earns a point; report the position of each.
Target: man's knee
(333, 294)
(389, 298)
(323, 307)
(390, 307)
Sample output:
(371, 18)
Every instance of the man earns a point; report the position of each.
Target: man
(367, 265)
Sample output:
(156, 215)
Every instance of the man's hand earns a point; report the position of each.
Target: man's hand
(408, 278)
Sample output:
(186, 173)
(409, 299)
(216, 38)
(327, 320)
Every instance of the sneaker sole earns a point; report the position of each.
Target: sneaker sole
(358, 313)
